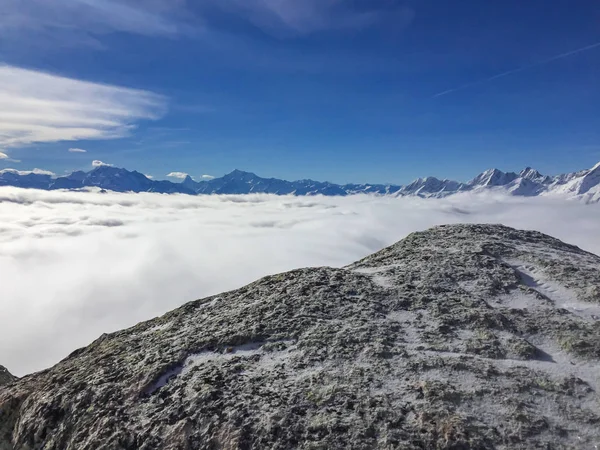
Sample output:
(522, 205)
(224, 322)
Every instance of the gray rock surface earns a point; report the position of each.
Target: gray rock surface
(459, 337)
(5, 376)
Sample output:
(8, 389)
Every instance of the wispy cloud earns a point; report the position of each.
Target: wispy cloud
(77, 150)
(6, 158)
(518, 69)
(285, 17)
(41, 107)
(88, 19)
(207, 177)
(180, 175)
(97, 163)
(155, 17)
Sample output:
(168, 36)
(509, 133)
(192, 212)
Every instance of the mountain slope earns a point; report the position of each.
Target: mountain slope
(583, 185)
(586, 184)
(463, 336)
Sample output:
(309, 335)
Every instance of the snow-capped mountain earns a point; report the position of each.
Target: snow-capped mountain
(429, 186)
(240, 182)
(584, 184)
(493, 177)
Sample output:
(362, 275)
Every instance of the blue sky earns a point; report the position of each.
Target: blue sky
(333, 90)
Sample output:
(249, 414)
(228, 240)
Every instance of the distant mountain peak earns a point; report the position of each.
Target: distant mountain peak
(240, 173)
(106, 168)
(528, 182)
(188, 180)
(493, 177)
(530, 174)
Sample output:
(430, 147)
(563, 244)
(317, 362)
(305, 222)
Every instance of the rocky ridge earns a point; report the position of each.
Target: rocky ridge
(459, 337)
(583, 185)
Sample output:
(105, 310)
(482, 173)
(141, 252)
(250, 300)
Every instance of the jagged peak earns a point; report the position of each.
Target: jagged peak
(485, 174)
(530, 174)
(492, 171)
(240, 172)
(493, 177)
(416, 182)
(107, 169)
(237, 174)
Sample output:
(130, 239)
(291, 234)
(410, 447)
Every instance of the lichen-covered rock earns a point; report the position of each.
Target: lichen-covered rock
(459, 337)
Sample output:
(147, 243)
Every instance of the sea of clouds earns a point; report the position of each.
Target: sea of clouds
(75, 265)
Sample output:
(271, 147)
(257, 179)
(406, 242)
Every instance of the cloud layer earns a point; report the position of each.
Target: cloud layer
(75, 265)
(40, 107)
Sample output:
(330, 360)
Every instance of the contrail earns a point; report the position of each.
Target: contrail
(520, 69)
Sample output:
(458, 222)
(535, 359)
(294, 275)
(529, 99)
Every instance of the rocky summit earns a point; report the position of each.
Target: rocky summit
(5, 376)
(459, 337)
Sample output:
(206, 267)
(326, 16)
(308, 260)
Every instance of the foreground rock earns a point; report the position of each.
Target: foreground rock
(5, 376)
(459, 337)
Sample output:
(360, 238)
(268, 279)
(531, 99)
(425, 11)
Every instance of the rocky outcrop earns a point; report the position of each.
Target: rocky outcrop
(5, 376)
(459, 337)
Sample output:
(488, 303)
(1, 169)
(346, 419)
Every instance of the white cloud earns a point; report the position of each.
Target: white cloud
(285, 17)
(97, 163)
(155, 17)
(5, 157)
(150, 177)
(40, 107)
(107, 261)
(207, 177)
(28, 172)
(85, 21)
(180, 175)
(77, 150)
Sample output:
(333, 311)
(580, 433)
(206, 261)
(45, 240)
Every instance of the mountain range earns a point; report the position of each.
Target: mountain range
(584, 184)
(459, 337)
